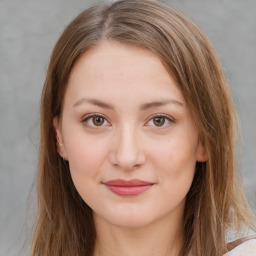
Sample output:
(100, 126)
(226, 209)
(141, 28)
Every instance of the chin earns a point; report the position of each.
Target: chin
(132, 222)
(129, 218)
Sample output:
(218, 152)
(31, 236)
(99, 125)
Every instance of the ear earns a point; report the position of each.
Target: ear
(201, 154)
(59, 139)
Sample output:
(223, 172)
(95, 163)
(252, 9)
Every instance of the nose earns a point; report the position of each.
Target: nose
(127, 151)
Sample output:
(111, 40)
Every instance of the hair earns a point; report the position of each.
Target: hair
(215, 201)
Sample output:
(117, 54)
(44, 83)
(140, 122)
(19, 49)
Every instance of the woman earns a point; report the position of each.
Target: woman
(137, 150)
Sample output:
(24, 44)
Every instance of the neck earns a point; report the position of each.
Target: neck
(161, 238)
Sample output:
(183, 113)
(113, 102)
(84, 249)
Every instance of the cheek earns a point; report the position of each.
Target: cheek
(85, 162)
(176, 169)
(175, 162)
(174, 153)
(85, 155)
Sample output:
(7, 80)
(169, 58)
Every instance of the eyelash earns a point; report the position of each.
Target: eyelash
(88, 117)
(166, 118)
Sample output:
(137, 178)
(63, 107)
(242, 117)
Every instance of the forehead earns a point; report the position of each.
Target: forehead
(114, 69)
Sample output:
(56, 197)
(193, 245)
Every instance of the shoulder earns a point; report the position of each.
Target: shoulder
(247, 248)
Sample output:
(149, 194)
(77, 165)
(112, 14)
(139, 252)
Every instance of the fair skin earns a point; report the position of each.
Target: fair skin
(141, 129)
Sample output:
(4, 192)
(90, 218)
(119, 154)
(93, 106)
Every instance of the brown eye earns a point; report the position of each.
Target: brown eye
(159, 120)
(95, 121)
(98, 120)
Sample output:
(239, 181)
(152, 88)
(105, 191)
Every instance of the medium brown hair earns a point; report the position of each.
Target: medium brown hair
(216, 200)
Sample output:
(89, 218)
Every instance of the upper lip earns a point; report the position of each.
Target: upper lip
(127, 183)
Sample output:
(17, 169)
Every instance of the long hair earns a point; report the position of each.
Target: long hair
(216, 199)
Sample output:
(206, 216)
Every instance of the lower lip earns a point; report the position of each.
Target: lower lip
(128, 191)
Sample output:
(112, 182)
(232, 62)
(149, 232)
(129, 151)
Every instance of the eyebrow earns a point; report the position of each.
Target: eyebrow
(95, 102)
(161, 103)
(143, 107)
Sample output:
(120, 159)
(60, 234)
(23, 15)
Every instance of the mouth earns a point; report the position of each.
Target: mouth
(128, 187)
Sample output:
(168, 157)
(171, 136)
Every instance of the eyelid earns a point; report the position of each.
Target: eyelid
(88, 116)
(169, 118)
(162, 115)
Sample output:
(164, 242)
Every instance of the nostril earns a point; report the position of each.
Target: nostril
(127, 152)
(127, 161)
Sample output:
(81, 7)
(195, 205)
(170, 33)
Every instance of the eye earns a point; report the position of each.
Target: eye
(95, 121)
(160, 121)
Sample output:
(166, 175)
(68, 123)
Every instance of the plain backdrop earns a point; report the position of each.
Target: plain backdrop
(28, 32)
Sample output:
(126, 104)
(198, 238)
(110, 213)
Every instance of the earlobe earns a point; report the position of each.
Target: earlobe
(59, 139)
(202, 155)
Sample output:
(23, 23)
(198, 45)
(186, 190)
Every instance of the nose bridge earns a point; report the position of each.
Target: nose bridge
(128, 151)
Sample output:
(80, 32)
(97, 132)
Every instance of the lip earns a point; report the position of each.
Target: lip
(128, 187)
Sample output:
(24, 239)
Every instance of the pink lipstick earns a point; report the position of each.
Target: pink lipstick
(128, 187)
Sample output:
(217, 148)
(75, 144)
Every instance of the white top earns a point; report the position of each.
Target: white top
(247, 248)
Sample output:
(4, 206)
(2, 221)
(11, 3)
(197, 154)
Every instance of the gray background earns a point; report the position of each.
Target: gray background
(28, 32)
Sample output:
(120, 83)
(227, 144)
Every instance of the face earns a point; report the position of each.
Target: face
(128, 135)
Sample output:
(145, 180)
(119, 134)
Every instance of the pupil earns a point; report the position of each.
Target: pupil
(159, 121)
(97, 120)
